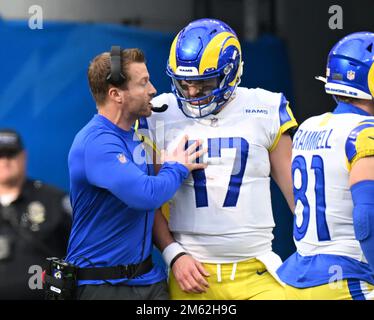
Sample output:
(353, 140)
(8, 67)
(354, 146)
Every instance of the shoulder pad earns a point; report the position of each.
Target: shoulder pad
(360, 142)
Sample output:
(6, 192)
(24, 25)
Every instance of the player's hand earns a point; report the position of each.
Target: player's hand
(184, 156)
(190, 275)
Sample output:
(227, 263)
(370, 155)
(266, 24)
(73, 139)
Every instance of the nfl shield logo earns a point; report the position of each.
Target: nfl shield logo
(351, 75)
(121, 158)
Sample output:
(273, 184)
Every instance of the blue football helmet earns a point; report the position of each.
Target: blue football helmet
(350, 67)
(206, 53)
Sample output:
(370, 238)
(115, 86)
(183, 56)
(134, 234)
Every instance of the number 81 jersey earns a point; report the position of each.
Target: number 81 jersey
(324, 149)
(232, 195)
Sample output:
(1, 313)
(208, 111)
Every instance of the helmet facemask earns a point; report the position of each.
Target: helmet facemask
(210, 94)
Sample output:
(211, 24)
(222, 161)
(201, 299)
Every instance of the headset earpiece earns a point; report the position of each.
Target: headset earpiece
(115, 77)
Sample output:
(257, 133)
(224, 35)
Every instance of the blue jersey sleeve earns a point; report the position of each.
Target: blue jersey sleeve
(109, 165)
(286, 117)
(286, 120)
(363, 217)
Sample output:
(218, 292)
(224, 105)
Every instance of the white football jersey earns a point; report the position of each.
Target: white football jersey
(324, 148)
(223, 213)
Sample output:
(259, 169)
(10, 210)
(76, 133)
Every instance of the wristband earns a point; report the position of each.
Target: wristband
(176, 258)
(171, 251)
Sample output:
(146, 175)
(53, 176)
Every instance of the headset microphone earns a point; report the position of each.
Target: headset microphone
(163, 108)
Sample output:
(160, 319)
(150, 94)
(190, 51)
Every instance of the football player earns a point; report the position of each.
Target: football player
(221, 218)
(333, 172)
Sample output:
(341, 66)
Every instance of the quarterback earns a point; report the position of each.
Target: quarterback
(333, 171)
(221, 218)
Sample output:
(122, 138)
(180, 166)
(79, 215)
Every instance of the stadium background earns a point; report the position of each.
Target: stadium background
(44, 91)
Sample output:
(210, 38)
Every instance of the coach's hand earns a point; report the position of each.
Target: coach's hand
(184, 156)
(190, 274)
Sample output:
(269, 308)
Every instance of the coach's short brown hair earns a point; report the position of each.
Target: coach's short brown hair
(100, 68)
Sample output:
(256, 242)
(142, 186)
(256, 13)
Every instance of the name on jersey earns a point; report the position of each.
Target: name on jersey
(312, 140)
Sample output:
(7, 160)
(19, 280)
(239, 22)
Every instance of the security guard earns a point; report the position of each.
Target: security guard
(35, 221)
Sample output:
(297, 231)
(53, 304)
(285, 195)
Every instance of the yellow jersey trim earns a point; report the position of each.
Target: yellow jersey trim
(364, 146)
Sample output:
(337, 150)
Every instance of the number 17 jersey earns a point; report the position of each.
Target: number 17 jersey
(223, 213)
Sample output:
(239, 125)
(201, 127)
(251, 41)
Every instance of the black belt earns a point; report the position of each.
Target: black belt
(117, 272)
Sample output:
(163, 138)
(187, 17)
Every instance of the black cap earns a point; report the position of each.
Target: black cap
(10, 143)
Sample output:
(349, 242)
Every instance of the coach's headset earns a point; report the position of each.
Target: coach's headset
(115, 77)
